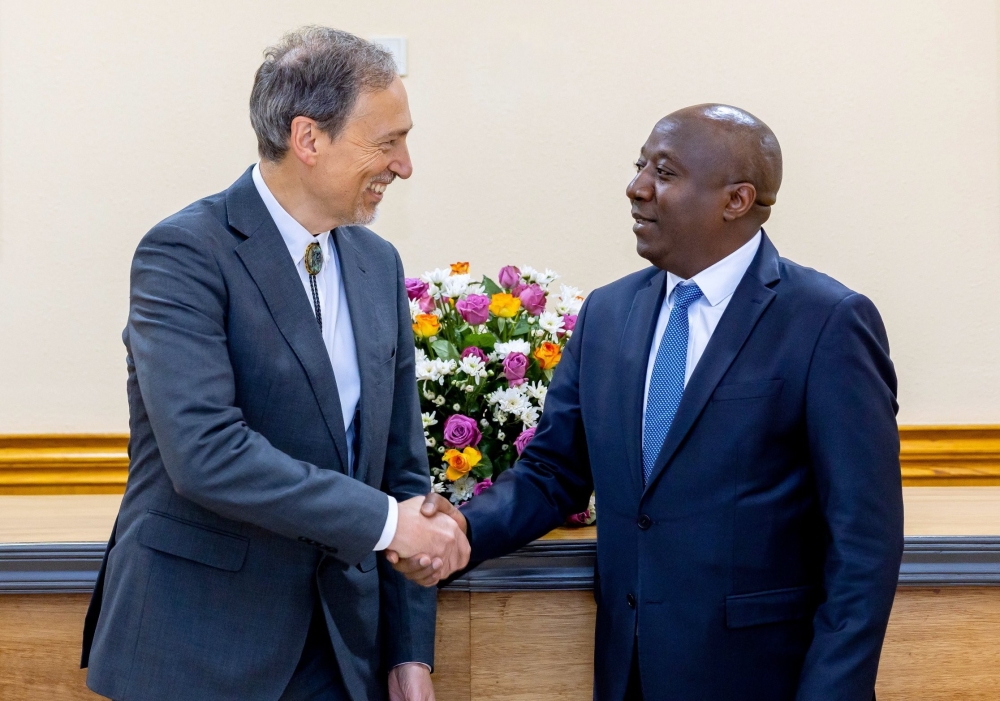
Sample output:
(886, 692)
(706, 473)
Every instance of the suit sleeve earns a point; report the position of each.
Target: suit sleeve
(409, 611)
(177, 338)
(551, 480)
(854, 449)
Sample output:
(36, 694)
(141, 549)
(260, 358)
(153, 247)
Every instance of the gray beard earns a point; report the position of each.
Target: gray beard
(364, 217)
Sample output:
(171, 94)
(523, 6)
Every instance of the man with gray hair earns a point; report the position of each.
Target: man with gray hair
(276, 442)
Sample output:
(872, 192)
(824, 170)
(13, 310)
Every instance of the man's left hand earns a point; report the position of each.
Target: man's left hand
(410, 682)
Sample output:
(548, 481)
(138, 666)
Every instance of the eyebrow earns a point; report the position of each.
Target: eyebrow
(398, 132)
(662, 154)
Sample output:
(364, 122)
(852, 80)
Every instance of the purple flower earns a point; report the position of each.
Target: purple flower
(475, 309)
(482, 487)
(533, 299)
(521, 442)
(515, 365)
(478, 352)
(426, 304)
(460, 432)
(509, 277)
(569, 322)
(415, 287)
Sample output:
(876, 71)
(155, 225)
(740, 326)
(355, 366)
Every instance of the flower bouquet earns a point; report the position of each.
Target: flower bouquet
(486, 352)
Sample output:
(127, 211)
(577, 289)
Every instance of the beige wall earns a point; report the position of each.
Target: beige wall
(528, 116)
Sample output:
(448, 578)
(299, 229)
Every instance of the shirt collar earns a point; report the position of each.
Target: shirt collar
(719, 281)
(295, 236)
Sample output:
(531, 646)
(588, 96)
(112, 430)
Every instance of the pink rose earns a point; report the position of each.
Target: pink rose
(415, 287)
(569, 322)
(579, 519)
(521, 442)
(461, 431)
(475, 309)
(426, 304)
(482, 487)
(509, 277)
(533, 299)
(515, 365)
(478, 352)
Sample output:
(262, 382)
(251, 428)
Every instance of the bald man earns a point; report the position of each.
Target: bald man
(735, 413)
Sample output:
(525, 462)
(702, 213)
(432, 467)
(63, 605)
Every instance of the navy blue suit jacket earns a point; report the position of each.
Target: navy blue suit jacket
(761, 559)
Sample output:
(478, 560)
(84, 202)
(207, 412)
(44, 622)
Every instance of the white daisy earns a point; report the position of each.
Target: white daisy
(415, 309)
(474, 367)
(436, 276)
(428, 419)
(529, 416)
(462, 488)
(502, 350)
(551, 322)
(455, 286)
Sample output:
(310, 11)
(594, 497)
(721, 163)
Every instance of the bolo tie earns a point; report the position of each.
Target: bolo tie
(314, 263)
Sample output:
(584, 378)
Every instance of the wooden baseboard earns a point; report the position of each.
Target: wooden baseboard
(98, 463)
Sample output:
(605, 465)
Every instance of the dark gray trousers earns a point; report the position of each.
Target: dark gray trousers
(317, 677)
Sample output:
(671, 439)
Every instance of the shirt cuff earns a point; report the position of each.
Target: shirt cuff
(389, 531)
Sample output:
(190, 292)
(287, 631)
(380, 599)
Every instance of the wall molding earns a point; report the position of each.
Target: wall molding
(98, 463)
(71, 568)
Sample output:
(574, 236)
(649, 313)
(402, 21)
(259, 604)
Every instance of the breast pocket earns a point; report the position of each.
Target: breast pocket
(747, 390)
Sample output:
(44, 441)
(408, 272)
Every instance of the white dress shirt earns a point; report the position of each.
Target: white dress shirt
(338, 334)
(717, 284)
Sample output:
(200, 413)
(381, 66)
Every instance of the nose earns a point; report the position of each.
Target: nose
(401, 165)
(640, 188)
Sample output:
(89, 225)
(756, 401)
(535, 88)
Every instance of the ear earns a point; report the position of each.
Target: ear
(741, 200)
(302, 140)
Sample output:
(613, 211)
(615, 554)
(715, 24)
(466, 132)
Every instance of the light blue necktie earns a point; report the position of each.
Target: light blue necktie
(666, 386)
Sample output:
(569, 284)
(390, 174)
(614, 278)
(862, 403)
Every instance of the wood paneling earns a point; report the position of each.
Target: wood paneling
(453, 647)
(942, 645)
(533, 645)
(40, 648)
(98, 464)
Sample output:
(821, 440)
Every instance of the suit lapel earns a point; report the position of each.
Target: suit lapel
(266, 259)
(752, 296)
(633, 350)
(367, 329)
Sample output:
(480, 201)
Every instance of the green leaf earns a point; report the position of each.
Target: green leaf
(491, 287)
(480, 340)
(501, 323)
(484, 469)
(548, 375)
(445, 350)
(522, 327)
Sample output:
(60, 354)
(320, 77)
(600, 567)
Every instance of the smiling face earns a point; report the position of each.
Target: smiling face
(694, 197)
(353, 170)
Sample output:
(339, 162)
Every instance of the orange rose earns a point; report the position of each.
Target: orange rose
(460, 268)
(460, 463)
(504, 305)
(426, 325)
(548, 355)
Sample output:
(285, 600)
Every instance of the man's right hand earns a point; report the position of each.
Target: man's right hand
(430, 540)
(423, 567)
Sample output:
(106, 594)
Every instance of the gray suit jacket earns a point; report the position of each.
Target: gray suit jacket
(239, 506)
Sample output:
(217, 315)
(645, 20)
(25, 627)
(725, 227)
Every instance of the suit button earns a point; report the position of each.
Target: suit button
(631, 601)
(644, 522)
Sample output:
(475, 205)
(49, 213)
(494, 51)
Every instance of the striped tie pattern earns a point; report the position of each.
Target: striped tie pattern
(666, 386)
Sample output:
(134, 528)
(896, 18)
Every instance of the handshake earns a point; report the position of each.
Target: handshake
(430, 542)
